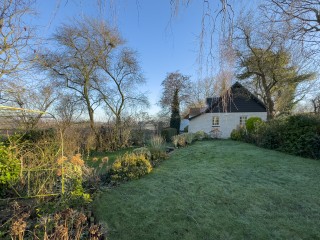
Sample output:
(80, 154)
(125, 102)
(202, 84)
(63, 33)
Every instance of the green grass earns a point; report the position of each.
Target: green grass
(218, 190)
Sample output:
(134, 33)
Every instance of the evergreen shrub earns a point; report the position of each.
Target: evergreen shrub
(143, 151)
(200, 135)
(130, 166)
(252, 124)
(168, 133)
(296, 134)
(9, 166)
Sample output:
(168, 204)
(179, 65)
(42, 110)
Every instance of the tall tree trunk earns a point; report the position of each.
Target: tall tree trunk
(175, 112)
(268, 98)
(94, 129)
(270, 107)
(91, 119)
(118, 131)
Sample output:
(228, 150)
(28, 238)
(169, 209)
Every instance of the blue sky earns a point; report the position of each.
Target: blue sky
(164, 43)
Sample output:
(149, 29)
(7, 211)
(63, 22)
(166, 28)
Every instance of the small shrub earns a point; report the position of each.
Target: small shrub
(252, 123)
(130, 166)
(182, 140)
(18, 229)
(200, 135)
(9, 166)
(235, 135)
(168, 133)
(238, 134)
(175, 140)
(143, 151)
(270, 134)
(157, 156)
(157, 142)
(75, 173)
(157, 149)
(189, 138)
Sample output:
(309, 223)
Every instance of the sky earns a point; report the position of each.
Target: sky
(164, 43)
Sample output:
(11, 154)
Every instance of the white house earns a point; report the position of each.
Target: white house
(223, 114)
(192, 112)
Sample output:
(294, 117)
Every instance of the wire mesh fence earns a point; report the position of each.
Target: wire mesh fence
(38, 182)
(39, 173)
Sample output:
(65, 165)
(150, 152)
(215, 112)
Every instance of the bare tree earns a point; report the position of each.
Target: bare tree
(175, 82)
(118, 85)
(119, 81)
(265, 62)
(93, 63)
(38, 97)
(200, 90)
(302, 18)
(80, 48)
(220, 83)
(15, 36)
(67, 109)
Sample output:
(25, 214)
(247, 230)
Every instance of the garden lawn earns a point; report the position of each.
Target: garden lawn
(218, 190)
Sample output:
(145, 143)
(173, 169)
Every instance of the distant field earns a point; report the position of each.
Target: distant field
(218, 190)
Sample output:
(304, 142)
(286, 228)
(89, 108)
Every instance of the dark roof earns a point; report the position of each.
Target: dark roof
(239, 100)
(194, 111)
(211, 101)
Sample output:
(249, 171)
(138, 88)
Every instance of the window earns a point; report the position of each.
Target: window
(243, 120)
(215, 121)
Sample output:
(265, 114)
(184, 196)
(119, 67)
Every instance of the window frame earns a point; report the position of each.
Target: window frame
(241, 122)
(215, 121)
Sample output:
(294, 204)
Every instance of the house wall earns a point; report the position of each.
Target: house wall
(227, 122)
